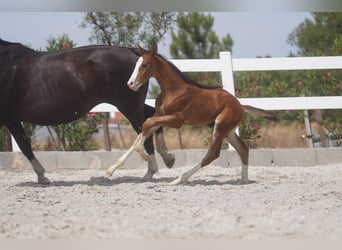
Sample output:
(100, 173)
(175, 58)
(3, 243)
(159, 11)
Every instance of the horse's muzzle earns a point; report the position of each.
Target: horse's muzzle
(134, 86)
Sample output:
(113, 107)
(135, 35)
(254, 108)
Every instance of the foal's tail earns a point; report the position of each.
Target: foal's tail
(260, 113)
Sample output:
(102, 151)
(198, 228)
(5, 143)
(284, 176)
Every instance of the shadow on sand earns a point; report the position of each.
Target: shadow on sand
(103, 181)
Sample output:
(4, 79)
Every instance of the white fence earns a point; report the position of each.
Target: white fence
(226, 65)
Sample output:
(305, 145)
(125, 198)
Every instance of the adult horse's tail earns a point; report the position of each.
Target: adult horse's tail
(260, 113)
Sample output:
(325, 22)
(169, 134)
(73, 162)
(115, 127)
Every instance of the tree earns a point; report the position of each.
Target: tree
(316, 37)
(195, 38)
(5, 140)
(128, 28)
(322, 36)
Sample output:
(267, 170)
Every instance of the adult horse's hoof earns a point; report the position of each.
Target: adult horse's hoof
(43, 180)
(148, 177)
(169, 160)
(245, 181)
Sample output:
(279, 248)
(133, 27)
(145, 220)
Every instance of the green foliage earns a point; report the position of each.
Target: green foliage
(76, 135)
(322, 36)
(2, 139)
(59, 43)
(249, 131)
(264, 84)
(316, 37)
(128, 28)
(271, 84)
(195, 38)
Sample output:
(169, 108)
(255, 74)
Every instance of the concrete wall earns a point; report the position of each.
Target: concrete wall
(53, 161)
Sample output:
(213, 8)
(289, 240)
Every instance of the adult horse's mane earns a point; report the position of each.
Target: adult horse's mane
(6, 43)
(3, 42)
(186, 79)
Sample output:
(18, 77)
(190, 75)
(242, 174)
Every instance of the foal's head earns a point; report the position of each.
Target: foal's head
(144, 68)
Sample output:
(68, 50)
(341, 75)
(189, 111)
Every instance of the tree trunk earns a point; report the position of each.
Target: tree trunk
(309, 142)
(180, 139)
(121, 136)
(107, 143)
(7, 140)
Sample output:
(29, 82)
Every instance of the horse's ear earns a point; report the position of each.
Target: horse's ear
(141, 50)
(154, 48)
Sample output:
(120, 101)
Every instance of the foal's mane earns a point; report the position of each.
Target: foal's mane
(186, 79)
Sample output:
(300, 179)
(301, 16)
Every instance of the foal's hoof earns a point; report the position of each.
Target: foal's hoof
(178, 181)
(43, 180)
(143, 154)
(108, 174)
(169, 160)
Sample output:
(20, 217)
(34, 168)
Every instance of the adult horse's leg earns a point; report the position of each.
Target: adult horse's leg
(24, 144)
(243, 152)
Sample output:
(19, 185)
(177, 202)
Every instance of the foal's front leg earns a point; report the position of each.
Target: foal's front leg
(138, 145)
(149, 127)
(152, 124)
(124, 157)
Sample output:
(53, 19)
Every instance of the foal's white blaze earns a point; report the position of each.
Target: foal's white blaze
(132, 84)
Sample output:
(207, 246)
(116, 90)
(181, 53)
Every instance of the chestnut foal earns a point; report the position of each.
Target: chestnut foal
(183, 101)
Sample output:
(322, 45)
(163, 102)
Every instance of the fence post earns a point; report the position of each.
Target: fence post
(227, 72)
(309, 142)
(227, 77)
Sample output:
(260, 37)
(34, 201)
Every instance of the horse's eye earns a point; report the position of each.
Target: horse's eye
(144, 65)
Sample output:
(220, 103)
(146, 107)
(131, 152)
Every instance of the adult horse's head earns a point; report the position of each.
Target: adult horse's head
(144, 68)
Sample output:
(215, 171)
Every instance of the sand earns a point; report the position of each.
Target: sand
(281, 202)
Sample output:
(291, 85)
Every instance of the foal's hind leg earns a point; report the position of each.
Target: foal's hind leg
(212, 154)
(243, 152)
(18, 132)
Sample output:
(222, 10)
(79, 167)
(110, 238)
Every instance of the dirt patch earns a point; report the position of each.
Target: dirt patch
(281, 202)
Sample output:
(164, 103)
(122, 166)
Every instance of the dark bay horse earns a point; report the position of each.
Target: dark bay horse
(49, 88)
(183, 101)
